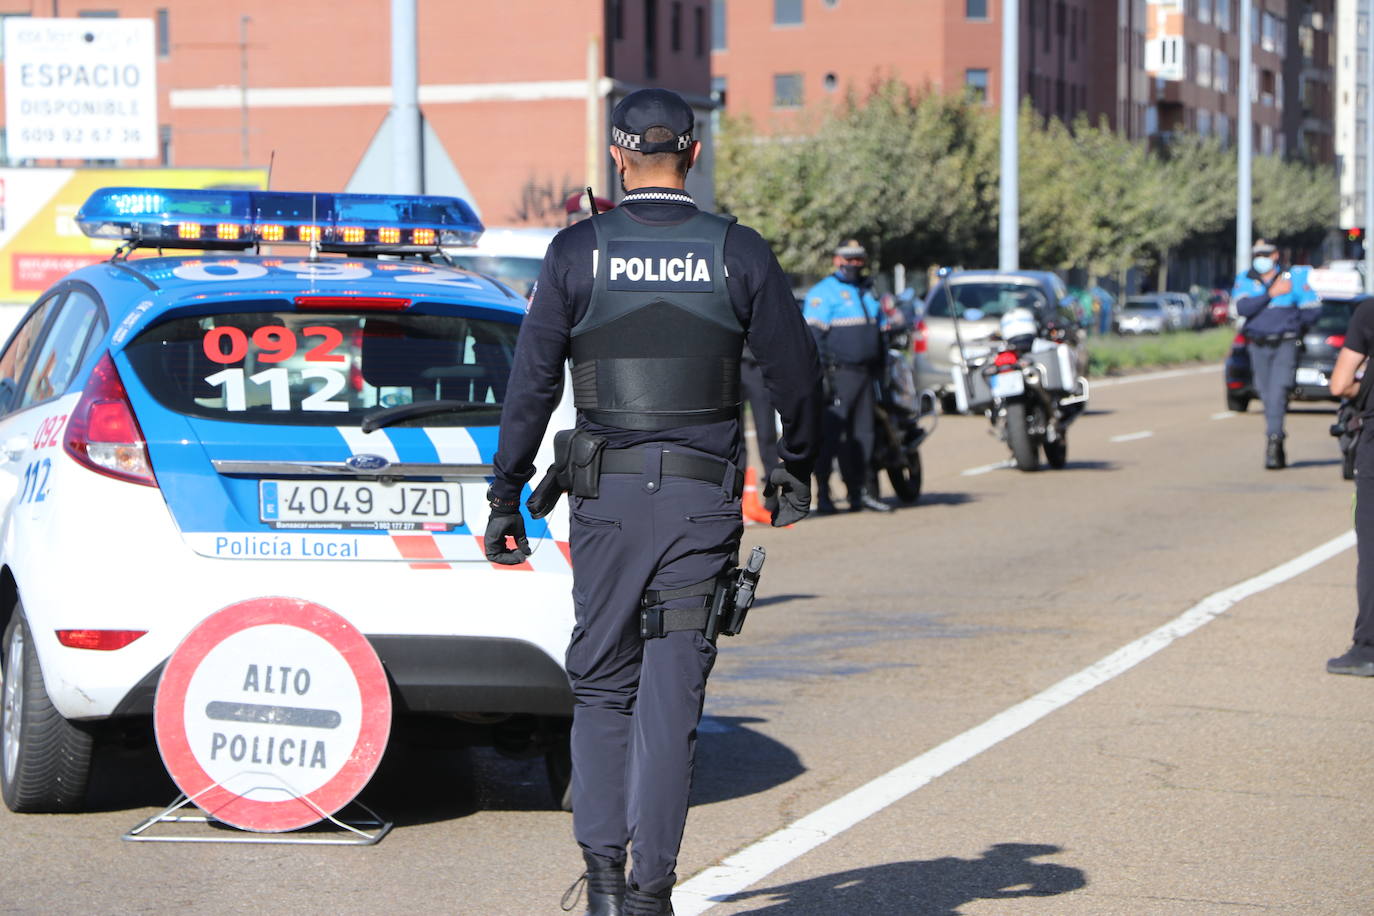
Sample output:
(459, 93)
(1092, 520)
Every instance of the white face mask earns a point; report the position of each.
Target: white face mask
(1263, 264)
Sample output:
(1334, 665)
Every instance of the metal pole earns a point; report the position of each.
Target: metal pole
(1245, 136)
(1368, 145)
(408, 169)
(1009, 232)
(595, 141)
(243, 86)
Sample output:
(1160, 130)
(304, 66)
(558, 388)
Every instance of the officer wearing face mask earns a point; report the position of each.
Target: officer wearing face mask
(848, 323)
(1276, 315)
(653, 303)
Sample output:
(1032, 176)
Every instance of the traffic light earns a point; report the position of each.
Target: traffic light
(1354, 234)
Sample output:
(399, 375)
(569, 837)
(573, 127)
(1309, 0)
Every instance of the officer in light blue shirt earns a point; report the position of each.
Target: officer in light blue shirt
(848, 323)
(1278, 307)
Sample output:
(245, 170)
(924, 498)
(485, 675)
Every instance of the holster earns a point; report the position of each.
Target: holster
(576, 469)
(726, 602)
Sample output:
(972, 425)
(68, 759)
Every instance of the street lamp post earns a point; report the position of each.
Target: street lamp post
(1009, 234)
(1245, 136)
(1368, 144)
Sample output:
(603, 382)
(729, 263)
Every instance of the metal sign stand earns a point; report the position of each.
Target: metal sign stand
(354, 832)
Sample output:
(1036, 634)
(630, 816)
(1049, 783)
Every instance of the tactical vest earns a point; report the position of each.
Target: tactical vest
(660, 344)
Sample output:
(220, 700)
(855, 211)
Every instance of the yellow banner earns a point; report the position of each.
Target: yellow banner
(39, 240)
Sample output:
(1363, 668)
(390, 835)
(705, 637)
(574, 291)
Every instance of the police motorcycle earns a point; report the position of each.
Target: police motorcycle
(904, 417)
(1026, 379)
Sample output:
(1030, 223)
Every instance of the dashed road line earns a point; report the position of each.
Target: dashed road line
(754, 863)
(988, 468)
(1131, 437)
(1225, 415)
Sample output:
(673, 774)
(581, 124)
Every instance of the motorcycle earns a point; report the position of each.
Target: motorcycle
(1026, 382)
(904, 417)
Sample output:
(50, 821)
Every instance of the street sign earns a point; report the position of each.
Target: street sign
(80, 89)
(272, 714)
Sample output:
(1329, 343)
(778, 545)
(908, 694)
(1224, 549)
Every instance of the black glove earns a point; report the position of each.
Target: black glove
(787, 496)
(505, 521)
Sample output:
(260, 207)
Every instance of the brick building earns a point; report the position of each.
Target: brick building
(780, 61)
(518, 94)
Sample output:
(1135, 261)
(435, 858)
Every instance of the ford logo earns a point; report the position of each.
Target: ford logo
(367, 462)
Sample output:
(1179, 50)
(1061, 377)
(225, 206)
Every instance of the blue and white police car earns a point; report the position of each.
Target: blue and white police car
(185, 431)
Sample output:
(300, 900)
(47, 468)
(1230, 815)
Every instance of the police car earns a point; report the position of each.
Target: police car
(185, 431)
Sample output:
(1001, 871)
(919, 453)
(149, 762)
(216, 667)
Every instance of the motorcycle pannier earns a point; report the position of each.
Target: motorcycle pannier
(1056, 363)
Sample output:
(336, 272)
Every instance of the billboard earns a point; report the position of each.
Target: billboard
(39, 240)
(80, 88)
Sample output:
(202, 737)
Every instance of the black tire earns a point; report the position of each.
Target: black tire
(906, 478)
(558, 766)
(1348, 465)
(1057, 452)
(45, 760)
(1024, 448)
(1237, 402)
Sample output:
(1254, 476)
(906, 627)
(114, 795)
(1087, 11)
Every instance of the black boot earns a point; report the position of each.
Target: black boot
(865, 500)
(1358, 660)
(1274, 457)
(605, 888)
(643, 903)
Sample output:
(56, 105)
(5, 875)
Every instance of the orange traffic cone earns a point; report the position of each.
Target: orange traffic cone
(752, 504)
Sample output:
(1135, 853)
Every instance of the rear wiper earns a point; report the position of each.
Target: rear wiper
(389, 415)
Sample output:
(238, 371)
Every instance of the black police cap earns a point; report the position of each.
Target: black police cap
(645, 108)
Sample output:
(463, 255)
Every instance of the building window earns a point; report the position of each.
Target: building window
(1204, 14)
(787, 12)
(976, 9)
(976, 84)
(1204, 66)
(1204, 122)
(675, 27)
(617, 19)
(717, 25)
(1221, 72)
(831, 82)
(787, 90)
(98, 14)
(1073, 34)
(651, 39)
(164, 41)
(699, 21)
(164, 144)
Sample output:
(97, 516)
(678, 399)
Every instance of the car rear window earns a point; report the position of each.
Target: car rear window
(1142, 305)
(992, 299)
(326, 369)
(1335, 317)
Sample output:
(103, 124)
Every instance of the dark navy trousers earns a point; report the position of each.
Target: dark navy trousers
(1273, 367)
(638, 702)
(849, 431)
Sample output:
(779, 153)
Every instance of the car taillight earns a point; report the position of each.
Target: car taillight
(100, 640)
(1239, 341)
(919, 339)
(102, 433)
(1336, 341)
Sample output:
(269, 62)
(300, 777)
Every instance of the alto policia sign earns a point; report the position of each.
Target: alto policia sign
(272, 714)
(80, 89)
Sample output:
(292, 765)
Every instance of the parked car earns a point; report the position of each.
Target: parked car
(511, 255)
(1142, 315)
(187, 431)
(982, 297)
(1184, 315)
(1316, 358)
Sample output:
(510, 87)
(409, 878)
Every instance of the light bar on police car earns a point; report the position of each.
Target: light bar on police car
(356, 223)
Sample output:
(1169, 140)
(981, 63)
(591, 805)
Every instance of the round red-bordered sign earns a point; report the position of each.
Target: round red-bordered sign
(272, 714)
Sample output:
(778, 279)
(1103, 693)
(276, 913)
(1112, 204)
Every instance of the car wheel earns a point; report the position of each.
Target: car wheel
(906, 478)
(1237, 402)
(45, 760)
(1024, 448)
(558, 766)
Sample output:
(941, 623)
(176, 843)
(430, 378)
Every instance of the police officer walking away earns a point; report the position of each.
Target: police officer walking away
(653, 302)
(1276, 316)
(848, 323)
(1358, 660)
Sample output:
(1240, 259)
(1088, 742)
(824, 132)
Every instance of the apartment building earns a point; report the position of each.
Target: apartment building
(1352, 109)
(515, 96)
(782, 62)
(1193, 58)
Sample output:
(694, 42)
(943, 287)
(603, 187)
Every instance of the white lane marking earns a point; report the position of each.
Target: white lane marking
(988, 468)
(1153, 376)
(1224, 415)
(1131, 437)
(753, 863)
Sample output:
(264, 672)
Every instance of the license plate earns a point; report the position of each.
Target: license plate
(399, 506)
(1007, 384)
(1309, 376)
